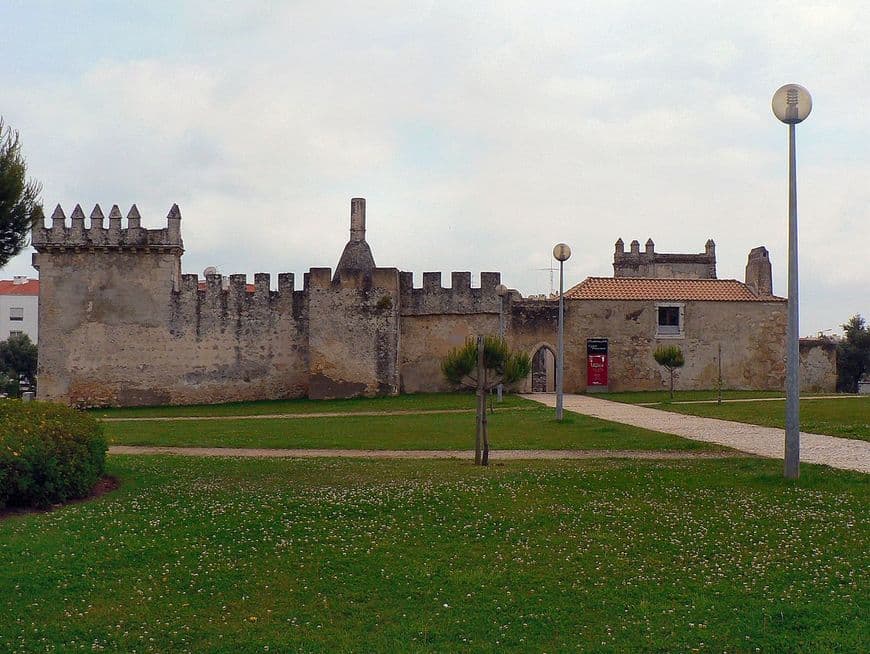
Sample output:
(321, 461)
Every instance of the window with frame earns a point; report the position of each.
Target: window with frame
(14, 332)
(16, 313)
(669, 320)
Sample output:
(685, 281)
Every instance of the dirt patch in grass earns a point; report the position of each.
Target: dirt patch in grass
(105, 485)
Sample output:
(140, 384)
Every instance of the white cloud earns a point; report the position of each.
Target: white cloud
(480, 134)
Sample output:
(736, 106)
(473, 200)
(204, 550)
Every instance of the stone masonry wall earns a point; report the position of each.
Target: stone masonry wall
(752, 335)
(818, 365)
(120, 325)
(435, 320)
(354, 334)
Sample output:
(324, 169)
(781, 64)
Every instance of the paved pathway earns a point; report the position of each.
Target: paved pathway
(494, 455)
(845, 453)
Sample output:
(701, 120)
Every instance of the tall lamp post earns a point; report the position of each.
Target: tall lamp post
(791, 104)
(501, 290)
(561, 252)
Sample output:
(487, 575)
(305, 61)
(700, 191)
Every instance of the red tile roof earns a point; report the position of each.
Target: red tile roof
(639, 288)
(8, 287)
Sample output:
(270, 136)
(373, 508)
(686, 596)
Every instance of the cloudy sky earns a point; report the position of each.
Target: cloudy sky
(480, 133)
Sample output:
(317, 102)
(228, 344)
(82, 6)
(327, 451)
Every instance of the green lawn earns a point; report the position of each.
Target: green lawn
(408, 402)
(848, 417)
(230, 555)
(520, 428)
(649, 397)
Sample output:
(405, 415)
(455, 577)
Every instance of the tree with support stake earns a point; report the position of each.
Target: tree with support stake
(670, 358)
(483, 363)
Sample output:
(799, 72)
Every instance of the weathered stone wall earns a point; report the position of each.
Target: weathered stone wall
(121, 335)
(354, 333)
(818, 365)
(435, 319)
(752, 335)
(532, 324)
(120, 325)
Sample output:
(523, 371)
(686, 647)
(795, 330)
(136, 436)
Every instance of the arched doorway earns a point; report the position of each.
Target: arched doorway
(544, 370)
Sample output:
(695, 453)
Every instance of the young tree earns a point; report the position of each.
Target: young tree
(19, 199)
(483, 363)
(853, 354)
(670, 357)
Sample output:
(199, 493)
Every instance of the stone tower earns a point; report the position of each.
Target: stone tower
(357, 254)
(652, 264)
(758, 275)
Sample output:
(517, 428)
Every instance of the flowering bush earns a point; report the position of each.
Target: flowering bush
(48, 453)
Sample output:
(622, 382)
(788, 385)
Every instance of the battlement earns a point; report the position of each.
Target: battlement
(213, 307)
(459, 298)
(60, 236)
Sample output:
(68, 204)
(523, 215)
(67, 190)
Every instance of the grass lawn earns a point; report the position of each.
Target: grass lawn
(525, 427)
(848, 417)
(408, 402)
(648, 397)
(229, 555)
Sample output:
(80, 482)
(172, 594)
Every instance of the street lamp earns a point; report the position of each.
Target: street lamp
(561, 252)
(501, 290)
(791, 104)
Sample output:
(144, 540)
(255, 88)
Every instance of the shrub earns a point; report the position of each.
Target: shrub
(48, 453)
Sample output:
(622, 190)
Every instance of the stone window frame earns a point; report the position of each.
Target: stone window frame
(16, 314)
(666, 331)
(15, 332)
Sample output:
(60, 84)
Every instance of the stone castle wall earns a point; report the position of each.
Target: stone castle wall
(120, 325)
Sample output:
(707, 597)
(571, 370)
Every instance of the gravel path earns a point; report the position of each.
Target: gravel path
(844, 453)
(494, 455)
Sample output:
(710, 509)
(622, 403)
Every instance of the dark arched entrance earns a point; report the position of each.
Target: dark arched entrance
(544, 370)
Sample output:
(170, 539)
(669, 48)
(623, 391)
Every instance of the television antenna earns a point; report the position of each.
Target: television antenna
(552, 270)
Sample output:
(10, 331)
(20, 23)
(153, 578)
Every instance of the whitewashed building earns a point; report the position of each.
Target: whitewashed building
(19, 307)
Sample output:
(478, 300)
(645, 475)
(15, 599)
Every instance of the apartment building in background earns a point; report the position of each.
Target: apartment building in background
(19, 307)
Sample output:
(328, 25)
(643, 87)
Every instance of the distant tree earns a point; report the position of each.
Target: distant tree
(670, 357)
(853, 354)
(19, 199)
(483, 363)
(17, 360)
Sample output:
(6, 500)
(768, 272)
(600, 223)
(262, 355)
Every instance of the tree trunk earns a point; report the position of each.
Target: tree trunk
(484, 428)
(481, 403)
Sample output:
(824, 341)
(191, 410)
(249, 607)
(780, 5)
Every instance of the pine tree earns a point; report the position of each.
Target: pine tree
(20, 207)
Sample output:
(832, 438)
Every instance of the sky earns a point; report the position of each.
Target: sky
(481, 134)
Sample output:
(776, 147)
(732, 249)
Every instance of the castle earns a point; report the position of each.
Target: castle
(120, 324)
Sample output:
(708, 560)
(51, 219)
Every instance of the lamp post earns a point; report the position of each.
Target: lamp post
(501, 290)
(561, 252)
(792, 104)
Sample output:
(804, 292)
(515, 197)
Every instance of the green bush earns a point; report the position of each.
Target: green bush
(48, 453)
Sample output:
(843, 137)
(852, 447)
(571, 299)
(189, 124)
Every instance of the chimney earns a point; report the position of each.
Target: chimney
(358, 219)
(758, 273)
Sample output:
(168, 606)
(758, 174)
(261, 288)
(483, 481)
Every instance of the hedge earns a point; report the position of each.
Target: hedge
(48, 453)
